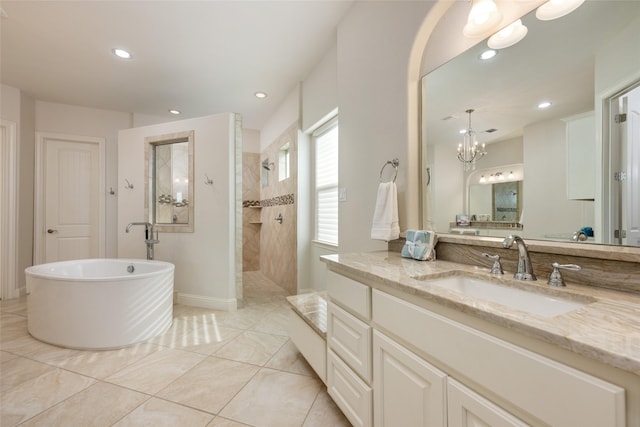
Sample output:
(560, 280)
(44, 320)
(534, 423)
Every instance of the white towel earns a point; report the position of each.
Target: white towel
(385, 217)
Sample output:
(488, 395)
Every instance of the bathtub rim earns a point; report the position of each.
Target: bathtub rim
(33, 270)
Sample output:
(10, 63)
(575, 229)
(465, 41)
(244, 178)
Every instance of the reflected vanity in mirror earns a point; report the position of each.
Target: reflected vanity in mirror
(579, 63)
(169, 202)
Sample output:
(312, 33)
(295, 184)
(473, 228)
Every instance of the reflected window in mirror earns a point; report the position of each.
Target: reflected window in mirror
(169, 201)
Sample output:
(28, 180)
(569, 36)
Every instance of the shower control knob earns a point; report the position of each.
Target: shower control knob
(51, 231)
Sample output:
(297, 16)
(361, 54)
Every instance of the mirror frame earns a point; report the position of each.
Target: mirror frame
(150, 143)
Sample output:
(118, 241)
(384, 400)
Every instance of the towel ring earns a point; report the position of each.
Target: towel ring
(394, 163)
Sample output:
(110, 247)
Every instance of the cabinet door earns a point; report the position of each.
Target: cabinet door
(408, 391)
(469, 409)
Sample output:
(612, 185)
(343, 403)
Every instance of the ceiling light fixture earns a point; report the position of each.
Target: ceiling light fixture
(470, 151)
(554, 9)
(488, 54)
(121, 53)
(491, 178)
(511, 175)
(482, 179)
(544, 104)
(260, 95)
(483, 17)
(175, 112)
(508, 36)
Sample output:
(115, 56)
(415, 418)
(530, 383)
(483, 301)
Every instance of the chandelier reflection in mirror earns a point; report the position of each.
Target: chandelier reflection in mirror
(470, 151)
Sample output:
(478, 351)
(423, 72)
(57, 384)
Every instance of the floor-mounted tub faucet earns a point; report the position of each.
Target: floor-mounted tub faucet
(525, 269)
(150, 237)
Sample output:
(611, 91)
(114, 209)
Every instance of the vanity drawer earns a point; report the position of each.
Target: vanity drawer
(554, 393)
(350, 294)
(352, 395)
(350, 338)
(311, 345)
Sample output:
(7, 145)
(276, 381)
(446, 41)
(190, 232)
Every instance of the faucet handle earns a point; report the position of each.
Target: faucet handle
(497, 267)
(556, 279)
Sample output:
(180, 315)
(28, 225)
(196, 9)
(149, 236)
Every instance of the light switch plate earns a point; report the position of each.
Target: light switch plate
(342, 194)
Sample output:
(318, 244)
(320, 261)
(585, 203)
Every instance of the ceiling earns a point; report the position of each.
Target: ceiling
(200, 57)
(554, 62)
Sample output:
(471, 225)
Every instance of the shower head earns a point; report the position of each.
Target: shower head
(267, 166)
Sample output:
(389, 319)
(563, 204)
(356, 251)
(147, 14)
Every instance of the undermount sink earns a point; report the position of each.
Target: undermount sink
(519, 299)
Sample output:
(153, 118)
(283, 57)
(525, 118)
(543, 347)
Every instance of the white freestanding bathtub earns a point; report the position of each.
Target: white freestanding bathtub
(99, 303)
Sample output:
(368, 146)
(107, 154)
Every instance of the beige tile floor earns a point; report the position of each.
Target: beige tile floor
(211, 368)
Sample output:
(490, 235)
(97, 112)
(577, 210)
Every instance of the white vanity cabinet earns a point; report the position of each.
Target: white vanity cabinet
(349, 348)
(391, 362)
(543, 390)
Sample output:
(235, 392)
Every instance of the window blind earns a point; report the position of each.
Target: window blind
(326, 184)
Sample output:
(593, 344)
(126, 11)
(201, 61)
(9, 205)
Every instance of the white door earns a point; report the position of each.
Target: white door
(626, 197)
(72, 197)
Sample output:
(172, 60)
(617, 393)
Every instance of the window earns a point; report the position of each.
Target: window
(284, 156)
(326, 183)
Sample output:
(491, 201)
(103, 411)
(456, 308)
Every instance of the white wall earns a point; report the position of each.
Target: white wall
(287, 113)
(375, 40)
(546, 210)
(320, 92)
(204, 259)
(83, 121)
(19, 108)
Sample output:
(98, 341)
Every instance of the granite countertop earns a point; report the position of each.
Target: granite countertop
(312, 308)
(605, 329)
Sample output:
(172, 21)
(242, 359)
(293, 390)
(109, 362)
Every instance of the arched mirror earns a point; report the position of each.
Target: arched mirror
(577, 63)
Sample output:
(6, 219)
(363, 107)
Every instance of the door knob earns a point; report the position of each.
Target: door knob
(51, 231)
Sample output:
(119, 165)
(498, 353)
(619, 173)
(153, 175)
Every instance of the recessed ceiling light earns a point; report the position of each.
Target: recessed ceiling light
(121, 53)
(543, 105)
(176, 112)
(488, 54)
(261, 95)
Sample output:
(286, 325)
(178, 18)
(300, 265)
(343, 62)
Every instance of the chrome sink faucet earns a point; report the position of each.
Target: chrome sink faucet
(150, 238)
(525, 269)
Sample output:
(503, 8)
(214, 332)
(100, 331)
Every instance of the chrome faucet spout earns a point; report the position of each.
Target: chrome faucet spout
(525, 269)
(147, 226)
(150, 238)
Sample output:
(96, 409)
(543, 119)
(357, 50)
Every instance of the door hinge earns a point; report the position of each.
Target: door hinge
(619, 176)
(621, 118)
(620, 234)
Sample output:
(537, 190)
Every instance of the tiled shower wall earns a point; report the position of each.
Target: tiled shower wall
(250, 215)
(278, 259)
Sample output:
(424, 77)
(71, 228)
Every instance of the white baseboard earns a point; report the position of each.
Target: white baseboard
(207, 302)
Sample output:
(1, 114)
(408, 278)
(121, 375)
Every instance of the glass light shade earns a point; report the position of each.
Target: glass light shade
(554, 9)
(508, 36)
(483, 17)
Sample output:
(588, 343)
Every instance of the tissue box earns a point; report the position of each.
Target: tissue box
(420, 245)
